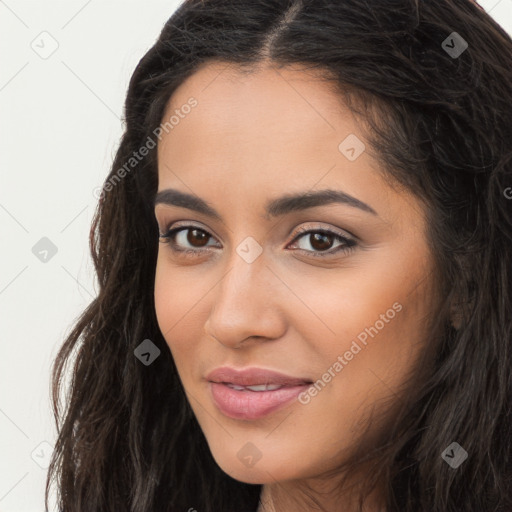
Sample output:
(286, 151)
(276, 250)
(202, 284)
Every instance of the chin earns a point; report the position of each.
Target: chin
(238, 465)
(249, 476)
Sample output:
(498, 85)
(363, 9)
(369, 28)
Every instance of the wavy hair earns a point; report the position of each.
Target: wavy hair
(441, 126)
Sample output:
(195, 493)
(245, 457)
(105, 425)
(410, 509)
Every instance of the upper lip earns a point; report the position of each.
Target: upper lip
(254, 377)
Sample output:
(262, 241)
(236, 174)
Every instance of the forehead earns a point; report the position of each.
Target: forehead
(217, 83)
(253, 135)
(275, 117)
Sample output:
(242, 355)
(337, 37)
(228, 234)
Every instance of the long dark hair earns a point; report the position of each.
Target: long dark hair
(441, 125)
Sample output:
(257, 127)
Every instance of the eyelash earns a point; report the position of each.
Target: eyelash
(349, 243)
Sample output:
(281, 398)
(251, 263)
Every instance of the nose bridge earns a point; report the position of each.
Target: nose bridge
(245, 300)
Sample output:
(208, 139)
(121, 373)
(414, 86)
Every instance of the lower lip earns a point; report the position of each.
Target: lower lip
(251, 405)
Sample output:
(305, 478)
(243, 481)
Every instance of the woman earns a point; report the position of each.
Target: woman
(305, 266)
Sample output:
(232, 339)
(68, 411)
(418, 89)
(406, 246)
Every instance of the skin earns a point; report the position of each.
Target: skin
(252, 138)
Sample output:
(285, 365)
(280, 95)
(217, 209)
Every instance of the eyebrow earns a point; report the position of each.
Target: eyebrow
(274, 207)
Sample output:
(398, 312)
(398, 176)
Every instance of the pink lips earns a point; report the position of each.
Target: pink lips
(251, 404)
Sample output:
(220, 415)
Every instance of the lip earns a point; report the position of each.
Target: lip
(253, 377)
(252, 405)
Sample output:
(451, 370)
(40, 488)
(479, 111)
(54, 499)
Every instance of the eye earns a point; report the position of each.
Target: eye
(321, 240)
(182, 235)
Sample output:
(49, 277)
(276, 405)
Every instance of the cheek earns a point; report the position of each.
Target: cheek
(180, 306)
(176, 293)
(353, 304)
(171, 303)
(374, 323)
(165, 297)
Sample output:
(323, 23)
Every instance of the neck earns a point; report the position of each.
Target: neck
(288, 497)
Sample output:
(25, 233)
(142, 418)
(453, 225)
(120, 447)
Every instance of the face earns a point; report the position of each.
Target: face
(331, 291)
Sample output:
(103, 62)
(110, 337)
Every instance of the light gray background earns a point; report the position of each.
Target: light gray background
(60, 124)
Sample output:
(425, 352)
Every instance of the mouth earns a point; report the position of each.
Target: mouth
(256, 388)
(253, 393)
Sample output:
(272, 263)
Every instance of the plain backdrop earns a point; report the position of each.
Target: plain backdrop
(64, 70)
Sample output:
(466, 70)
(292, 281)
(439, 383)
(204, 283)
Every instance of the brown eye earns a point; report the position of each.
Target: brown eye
(193, 241)
(188, 240)
(197, 235)
(321, 242)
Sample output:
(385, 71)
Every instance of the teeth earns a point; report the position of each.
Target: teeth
(264, 387)
(260, 387)
(234, 386)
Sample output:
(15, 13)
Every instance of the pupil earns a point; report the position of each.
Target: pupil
(319, 237)
(197, 234)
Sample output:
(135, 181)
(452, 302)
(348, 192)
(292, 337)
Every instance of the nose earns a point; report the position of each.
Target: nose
(246, 306)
